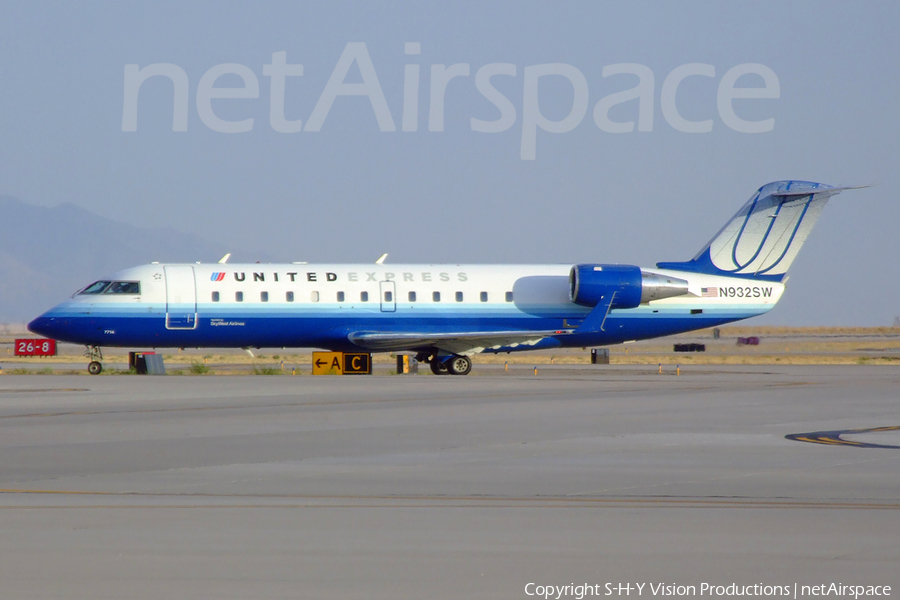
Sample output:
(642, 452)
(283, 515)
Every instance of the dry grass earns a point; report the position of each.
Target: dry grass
(778, 345)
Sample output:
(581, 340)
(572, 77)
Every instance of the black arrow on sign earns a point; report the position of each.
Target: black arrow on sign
(320, 362)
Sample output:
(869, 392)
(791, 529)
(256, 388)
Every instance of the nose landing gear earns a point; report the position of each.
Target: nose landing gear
(95, 367)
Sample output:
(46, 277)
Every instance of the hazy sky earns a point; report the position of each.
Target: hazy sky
(351, 191)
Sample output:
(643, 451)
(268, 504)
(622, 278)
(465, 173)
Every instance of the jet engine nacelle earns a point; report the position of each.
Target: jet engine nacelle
(588, 284)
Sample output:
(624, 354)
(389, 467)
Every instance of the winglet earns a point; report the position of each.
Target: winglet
(224, 259)
(381, 258)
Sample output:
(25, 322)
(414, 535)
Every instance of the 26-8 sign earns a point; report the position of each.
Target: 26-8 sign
(35, 347)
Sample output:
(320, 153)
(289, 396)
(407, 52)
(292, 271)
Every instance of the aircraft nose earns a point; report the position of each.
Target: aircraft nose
(44, 326)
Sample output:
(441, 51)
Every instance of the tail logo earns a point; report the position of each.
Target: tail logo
(765, 236)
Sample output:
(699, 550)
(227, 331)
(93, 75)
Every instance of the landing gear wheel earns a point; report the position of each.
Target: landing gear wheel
(459, 365)
(438, 367)
(94, 354)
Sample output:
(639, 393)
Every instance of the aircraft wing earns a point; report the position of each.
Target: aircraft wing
(463, 343)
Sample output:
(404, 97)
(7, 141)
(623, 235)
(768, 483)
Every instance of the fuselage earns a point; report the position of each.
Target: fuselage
(321, 306)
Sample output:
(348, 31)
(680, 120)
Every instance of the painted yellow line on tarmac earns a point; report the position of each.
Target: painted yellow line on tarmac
(833, 438)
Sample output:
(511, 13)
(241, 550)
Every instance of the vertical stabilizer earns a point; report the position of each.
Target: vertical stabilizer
(763, 238)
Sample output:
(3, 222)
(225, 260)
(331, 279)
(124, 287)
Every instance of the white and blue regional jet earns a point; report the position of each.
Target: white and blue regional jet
(447, 313)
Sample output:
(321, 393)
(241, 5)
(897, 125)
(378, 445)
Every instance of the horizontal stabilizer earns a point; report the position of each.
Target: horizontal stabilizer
(805, 191)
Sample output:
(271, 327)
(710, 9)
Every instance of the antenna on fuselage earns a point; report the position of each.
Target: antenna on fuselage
(381, 258)
(224, 259)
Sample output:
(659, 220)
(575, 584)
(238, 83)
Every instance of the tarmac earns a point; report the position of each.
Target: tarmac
(450, 487)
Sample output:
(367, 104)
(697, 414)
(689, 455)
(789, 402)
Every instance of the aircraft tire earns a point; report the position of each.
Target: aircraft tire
(459, 365)
(438, 367)
(95, 368)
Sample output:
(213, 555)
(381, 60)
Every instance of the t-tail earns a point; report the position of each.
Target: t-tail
(763, 238)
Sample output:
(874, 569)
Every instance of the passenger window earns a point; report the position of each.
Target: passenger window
(239, 296)
(340, 296)
(459, 296)
(215, 296)
(364, 296)
(388, 296)
(484, 296)
(412, 296)
(289, 296)
(509, 297)
(314, 296)
(264, 296)
(436, 296)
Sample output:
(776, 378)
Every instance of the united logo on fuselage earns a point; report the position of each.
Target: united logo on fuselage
(316, 277)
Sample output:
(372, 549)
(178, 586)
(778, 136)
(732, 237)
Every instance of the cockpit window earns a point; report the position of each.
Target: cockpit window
(96, 288)
(123, 287)
(113, 287)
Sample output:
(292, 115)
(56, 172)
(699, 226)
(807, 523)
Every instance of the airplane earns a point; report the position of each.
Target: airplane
(446, 313)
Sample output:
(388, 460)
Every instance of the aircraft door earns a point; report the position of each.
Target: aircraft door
(181, 297)
(388, 291)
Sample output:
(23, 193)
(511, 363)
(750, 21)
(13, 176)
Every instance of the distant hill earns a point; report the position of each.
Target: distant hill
(48, 253)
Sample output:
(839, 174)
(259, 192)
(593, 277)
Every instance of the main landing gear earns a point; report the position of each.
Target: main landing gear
(453, 365)
(95, 367)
